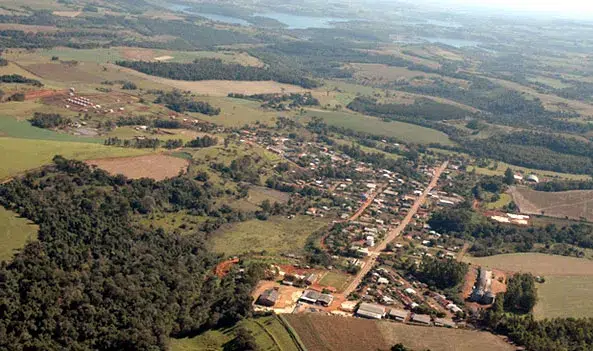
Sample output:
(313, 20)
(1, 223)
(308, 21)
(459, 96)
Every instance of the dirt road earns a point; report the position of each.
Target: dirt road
(394, 233)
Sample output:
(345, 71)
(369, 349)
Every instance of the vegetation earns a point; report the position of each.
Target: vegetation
(181, 103)
(138, 267)
(49, 120)
(15, 78)
(521, 294)
(206, 69)
(441, 274)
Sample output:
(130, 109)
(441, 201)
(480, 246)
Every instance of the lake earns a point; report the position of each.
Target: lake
(302, 22)
(458, 43)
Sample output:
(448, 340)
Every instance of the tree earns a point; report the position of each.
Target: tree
(509, 177)
(243, 341)
(399, 347)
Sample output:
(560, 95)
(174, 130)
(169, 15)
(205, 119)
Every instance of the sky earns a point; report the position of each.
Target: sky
(581, 9)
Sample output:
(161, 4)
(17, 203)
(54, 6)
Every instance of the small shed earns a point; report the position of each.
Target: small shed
(268, 298)
(398, 315)
(325, 299)
(310, 296)
(311, 278)
(442, 322)
(369, 310)
(422, 319)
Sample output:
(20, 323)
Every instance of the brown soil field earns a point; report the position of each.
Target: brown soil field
(70, 14)
(442, 339)
(38, 94)
(28, 28)
(137, 54)
(221, 87)
(575, 204)
(536, 263)
(320, 332)
(157, 167)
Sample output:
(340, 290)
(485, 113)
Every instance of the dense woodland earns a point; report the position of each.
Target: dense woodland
(206, 69)
(420, 109)
(49, 120)
(179, 102)
(94, 280)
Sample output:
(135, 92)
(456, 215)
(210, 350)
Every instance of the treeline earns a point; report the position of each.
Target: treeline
(442, 274)
(139, 143)
(490, 238)
(93, 280)
(205, 141)
(178, 102)
(420, 109)
(16, 78)
(280, 101)
(49, 120)
(207, 69)
(521, 294)
(564, 185)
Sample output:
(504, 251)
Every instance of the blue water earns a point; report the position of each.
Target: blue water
(302, 22)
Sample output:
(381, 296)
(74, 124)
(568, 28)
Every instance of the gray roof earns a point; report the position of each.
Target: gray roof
(421, 318)
(311, 295)
(327, 298)
(445, 322)
(398, 313)
(371, 308)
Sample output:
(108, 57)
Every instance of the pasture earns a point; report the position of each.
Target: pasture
(404, 131)
(270, 334)
(20, 155)
(14, 233)
(575, 204)
(321, 332)
(498, 169)
(564, 296)
(275, 236)
(157, 167)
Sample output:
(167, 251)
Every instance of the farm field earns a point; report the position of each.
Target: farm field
(575, 204)
(403, 131)
(14, 233)
(504, 200)
(502, 167)
(24, 130)
(564, 296)
(320, 332)
(335, 279)
(276, 235)
(270, 334)
(536, 263)
(237, 112)
(157, 167)
(19, 155)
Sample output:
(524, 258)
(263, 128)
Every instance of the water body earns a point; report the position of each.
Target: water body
(302, 22)
(223, 19)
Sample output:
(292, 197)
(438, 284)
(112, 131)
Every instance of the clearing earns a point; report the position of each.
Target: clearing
(270, 334)
(320, 332)
(276, 235)
(336, 280)
(404, 131)
(14, 233)
(498, 168)
(574, 204)
(157, 167)
(20, 155)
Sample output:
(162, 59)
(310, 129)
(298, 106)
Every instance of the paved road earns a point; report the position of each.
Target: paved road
(394, 233)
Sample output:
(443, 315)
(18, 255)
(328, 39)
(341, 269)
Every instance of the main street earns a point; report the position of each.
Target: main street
(394, 233)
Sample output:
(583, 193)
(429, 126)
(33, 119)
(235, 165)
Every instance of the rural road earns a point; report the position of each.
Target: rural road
(370, 263)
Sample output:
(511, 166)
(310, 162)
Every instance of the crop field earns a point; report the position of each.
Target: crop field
(270, 334)
(320, 332)
(501, 168)
(536, 263)
(276, 235)
(14, 233)
(403, 131)
(575, 204)
(24, 130)
(335, 279)
(19, 155)
(564, 296)
(238, 112)
(157, 167)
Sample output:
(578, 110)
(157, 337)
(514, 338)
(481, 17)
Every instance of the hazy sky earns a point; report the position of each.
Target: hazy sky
(565, 8)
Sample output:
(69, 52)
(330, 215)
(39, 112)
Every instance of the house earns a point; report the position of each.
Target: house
(310, 296)
(369, 310)
(398, 315)
(442, 322)
(410, 291)
(382, 280)
(325, 299)
(268, 298)
(532, 178)
(422, 319)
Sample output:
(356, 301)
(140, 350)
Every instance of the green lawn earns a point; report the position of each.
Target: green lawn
(23, 129)
(404, 131)
(276, 235)
(336, 279)
(19, 155)
(14, 233)
(564, 296)
(504, 200)
(269, 334)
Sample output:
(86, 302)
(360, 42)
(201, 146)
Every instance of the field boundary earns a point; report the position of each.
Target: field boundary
(293, 334)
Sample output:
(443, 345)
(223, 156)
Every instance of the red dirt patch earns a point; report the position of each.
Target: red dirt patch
(38, 94)
(223, 268)
(157, 167)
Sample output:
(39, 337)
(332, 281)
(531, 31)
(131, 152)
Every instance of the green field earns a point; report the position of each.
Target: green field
(19, 155)
(502, 167)
(269, 334)
(504, 200)
(14, 233)
(564, 296)
(335, 279)
(276, 235)
(404, 131)
(24, 130)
